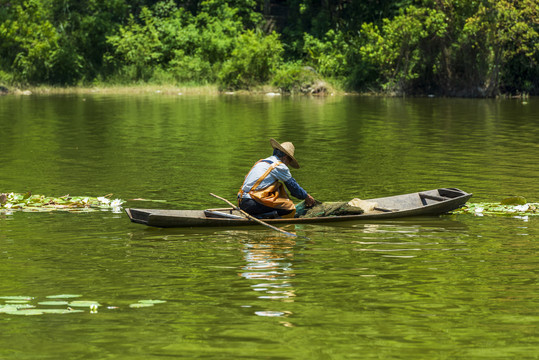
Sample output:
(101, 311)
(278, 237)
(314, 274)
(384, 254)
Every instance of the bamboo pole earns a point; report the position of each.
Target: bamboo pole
(250, 217)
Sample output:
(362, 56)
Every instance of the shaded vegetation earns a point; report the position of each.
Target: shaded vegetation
(445, 47)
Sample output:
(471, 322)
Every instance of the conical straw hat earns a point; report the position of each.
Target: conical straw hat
(287, 148)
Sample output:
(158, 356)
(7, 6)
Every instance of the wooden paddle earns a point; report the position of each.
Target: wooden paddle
(252, 217)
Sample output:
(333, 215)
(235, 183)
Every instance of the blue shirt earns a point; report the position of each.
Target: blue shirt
(280, 173)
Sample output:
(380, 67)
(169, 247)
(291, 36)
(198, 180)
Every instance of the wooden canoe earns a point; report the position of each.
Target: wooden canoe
(424, 203)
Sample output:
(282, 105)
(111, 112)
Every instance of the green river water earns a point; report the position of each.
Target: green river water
(448, 287)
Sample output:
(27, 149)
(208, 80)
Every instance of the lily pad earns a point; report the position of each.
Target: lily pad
(152, 301)
(269, 313)
(140, 305)
(53, 303)
(63, 296)
(61, 311)
(30, 312)
(7, 308)
(84, 303)
(27, 298)
(26, 312)
(23, 306)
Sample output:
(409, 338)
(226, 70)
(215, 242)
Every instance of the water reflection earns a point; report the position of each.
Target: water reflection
(400, 241)
(269, 268)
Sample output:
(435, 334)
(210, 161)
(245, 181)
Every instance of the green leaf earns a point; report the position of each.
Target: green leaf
(27, 195)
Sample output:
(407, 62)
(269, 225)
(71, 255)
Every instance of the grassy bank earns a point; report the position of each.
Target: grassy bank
(167, 89)
(136, 89)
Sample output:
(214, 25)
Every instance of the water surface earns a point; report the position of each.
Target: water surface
(456, 287)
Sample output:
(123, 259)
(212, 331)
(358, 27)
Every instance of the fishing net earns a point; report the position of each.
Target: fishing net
(327, 209)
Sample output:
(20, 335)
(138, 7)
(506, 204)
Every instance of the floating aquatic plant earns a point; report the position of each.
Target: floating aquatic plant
(28, 202)
(152, 301)
(27, 298)
(20, 305)
(139, 305)
(15, 311)
(489, 208)
(146, 303)
(63, 296)
(28, 312)
(83, 303)
(53, 303)
(7, 308)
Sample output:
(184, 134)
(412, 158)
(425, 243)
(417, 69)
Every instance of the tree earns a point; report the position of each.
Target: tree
(28, 42)
(397, 48)
(502, 32)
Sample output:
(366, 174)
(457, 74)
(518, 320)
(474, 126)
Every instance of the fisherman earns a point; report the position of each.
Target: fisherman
(263, 194)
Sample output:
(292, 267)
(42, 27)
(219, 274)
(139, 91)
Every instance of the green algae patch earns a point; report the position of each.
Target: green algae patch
(10, 202)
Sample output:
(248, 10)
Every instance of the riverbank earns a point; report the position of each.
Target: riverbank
(317, 88)
(114, 89)
(325, 89)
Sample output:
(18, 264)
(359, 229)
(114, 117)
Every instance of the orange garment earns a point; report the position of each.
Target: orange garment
(273, 196)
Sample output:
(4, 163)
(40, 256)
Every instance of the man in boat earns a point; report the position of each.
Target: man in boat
(263, 194)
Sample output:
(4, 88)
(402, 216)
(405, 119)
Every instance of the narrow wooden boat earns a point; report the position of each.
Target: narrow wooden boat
(424, 203)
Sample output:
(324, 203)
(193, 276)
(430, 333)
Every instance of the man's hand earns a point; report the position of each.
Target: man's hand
(309, 200)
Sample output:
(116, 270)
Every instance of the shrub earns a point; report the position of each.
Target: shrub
(329, 56)
(189, 68)
(294, 78)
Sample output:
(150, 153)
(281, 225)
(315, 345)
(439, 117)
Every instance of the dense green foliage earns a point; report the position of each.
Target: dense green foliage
(446, 47)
